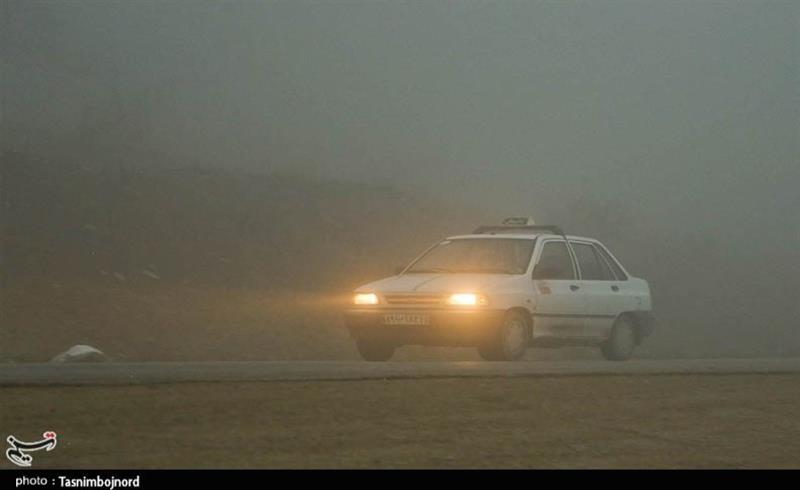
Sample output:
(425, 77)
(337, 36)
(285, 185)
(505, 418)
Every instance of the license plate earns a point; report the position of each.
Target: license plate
(406, 319)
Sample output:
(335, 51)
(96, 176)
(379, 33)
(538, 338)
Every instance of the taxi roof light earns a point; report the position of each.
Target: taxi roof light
(517, 221)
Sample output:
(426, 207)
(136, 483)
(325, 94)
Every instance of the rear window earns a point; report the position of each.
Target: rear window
(621, 276)
(593, 267)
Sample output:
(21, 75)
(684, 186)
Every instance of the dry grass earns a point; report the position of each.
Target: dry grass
(662, 421)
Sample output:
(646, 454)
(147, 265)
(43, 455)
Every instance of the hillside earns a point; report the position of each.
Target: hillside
(165, 261)
(191, 263)
(207, 227)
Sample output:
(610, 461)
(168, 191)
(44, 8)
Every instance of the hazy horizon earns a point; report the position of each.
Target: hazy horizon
(675, 107)
(670, 130)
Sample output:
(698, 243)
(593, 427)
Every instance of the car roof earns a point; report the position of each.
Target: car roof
(521, 236)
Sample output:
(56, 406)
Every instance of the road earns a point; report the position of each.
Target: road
(149, 373)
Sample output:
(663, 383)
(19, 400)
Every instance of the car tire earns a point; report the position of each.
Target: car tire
(510, 340)
(374, 350)
(620, 344)
(488, 353)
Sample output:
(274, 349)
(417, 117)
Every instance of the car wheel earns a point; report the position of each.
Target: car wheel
(488, 353)
(621, 342)
(510, 340)
(374, 350)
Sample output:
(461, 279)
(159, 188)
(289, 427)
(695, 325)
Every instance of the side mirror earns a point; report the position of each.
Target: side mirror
(398, 269)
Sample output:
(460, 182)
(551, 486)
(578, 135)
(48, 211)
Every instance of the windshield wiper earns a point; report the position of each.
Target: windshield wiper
(432, 269)
(498, 270)
(482, 270)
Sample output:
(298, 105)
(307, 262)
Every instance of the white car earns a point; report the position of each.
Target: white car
(502, 289)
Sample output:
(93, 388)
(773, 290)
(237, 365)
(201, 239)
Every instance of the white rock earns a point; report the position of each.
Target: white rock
(150, 274)
(80, 353)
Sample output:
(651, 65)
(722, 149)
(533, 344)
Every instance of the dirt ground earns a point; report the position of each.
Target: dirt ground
(740, 421)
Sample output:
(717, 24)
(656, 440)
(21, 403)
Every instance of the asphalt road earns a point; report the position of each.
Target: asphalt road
(170, 372)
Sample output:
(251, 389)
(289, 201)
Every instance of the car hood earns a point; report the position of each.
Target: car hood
(436, 283)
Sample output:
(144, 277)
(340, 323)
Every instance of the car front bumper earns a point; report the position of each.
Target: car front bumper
(447, 327)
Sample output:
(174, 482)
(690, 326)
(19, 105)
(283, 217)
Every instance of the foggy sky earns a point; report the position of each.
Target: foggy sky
(685, 112)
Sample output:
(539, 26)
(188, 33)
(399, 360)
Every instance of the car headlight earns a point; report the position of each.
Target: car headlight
(467, 299)
(365, 299)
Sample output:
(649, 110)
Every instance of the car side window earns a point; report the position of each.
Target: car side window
(621, 276)
(554, 262)
(593, 267)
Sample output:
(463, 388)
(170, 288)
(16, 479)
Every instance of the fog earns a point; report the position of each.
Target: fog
(669, 130)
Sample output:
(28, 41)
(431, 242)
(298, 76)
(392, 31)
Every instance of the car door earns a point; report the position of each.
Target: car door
(602, 292)
(559, 301)
(631, 299)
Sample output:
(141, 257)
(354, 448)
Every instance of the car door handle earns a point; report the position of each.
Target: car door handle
(574, 287)
(615, 288)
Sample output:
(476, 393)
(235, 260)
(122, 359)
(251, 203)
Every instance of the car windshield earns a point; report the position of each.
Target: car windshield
(477, 255)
